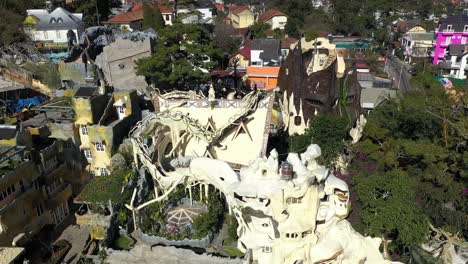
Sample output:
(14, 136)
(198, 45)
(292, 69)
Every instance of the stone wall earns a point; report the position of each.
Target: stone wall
(155, 240)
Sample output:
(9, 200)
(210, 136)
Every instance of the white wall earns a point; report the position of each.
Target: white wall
(57, 36)
(278, 22)
(168, 19)
(255, 57)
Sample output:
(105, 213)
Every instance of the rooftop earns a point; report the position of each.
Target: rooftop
(270, 13)
(7, 132)
(270, 48)
(85, 92)
(236, 9)
(456, 50)
(126, 17)
(59, 18)
(458, 22)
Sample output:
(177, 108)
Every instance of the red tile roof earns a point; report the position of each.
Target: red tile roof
(235, 9)
(362, 66)
(270, 14)
(135, 14)
(126, 17)
(245, 52)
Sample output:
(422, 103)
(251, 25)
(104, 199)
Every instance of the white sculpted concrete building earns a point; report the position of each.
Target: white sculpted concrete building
(287, 213)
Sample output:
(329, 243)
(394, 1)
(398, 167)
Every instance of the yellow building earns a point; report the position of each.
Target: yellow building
(33, 193)
(103, 121)
(241, 16)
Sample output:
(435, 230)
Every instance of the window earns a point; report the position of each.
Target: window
(99, 147)
(39, 209)
(59, 36)
(121, 109)
(449, 27)
(266, 249)
(448, 40)
(46, 36)
(84, 130)
(168, 18)
(103, 171)
(265, 225)
(87, 153)
(465, 28)
(463, 40)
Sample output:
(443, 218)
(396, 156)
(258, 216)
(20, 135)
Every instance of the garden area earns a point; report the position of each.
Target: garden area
(178, 217)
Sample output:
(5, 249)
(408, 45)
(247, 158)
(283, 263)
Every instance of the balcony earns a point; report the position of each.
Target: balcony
(447, 31)
(444, 44)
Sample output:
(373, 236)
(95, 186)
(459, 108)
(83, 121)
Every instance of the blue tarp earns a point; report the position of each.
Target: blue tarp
(20, 104)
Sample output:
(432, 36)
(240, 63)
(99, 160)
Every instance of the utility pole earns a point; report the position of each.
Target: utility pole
(97, 13)
(399, 79)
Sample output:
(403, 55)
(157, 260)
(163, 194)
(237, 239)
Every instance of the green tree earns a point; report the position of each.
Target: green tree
(152, 17)
(10, 25)
(328, 131)
(389, 208)
(311, 35)
(422, 135)
(12, 14)
(277, 33)
(292, 28)
(182, 57)
(258, 29)
(94, 11)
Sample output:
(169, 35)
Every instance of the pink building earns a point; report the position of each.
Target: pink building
(453, 30)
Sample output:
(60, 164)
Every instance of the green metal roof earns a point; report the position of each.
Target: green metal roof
(352, 46)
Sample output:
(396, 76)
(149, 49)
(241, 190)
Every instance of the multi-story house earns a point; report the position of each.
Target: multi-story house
(455, 64)
(133, 19)
(453, 30)
(417, 43)
(275, 18)
(33, 193)
(240, 16)
(53, 29)
(265, 62)
(103, 121)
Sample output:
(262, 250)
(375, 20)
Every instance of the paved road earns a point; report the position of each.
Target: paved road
(398, 72)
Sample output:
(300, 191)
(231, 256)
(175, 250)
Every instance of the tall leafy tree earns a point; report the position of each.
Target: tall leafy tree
(152, 17)
(183, 55)
(388, 207)
(258, 29)
(328, 131)
(12, 14)
(421, 139)
(94, 11)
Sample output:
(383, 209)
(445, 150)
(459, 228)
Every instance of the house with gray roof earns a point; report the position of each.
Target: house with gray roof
(455, 63)
(53, 30)
(265, 52)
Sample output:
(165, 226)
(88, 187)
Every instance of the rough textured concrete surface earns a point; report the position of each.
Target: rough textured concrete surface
(164, 255)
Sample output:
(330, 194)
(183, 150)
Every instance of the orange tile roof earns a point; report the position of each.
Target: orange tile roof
(235, 9)
(126, 17)
(270, 14)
